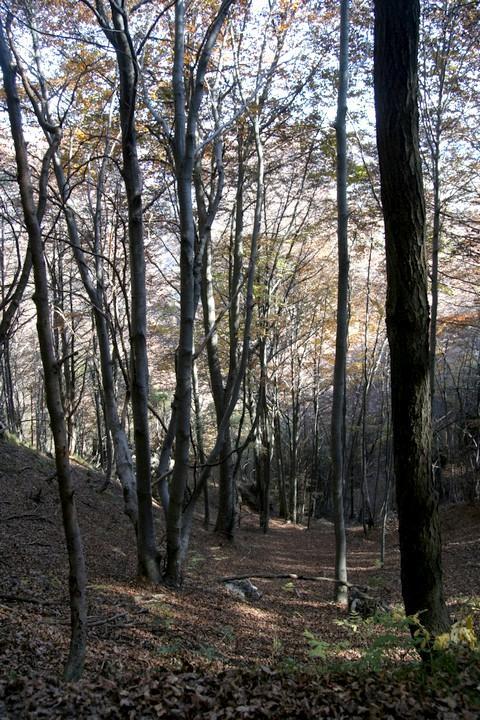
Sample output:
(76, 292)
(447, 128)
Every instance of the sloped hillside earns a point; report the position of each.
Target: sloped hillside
(197, 634)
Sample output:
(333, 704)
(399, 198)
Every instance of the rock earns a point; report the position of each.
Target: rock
(243, 590)
(363, 604)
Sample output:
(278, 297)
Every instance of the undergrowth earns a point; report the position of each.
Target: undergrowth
(450, 664)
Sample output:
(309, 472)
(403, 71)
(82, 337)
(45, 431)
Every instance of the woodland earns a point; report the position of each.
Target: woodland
(239, 358)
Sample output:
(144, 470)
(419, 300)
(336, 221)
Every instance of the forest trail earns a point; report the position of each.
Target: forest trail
(201, 637)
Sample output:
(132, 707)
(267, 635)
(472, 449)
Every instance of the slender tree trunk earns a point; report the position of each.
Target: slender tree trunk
(123, 458)
(184, 155)
(434, 280)
(165, 458)
(51, 369)
(121, 40)
(283, 509)
(11, 310)
(434, 131)
(368, 518)
(226, 498)
(184, 158)
(338, 415)
(396, 81)
(263, 445)
(199, 438)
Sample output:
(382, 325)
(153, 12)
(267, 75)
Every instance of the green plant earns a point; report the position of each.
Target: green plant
(380, 648)
(318, 648)
(170, 649)
(208, 652)
(440, 653)
(277, 646)
(289, 665)
(226, 633)
(195, 559)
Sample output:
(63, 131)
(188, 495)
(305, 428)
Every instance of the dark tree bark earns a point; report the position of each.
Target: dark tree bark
(395, 78)
(264, 439)
(11, 308)
(199, 439)
(178, 525)
(226, 496)
(208, 201)
(338, 409)
(11, 303)
(118, 34)
(51, 370)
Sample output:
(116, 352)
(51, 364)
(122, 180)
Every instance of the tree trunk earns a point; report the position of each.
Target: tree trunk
(395, 77)
(51, 369)
(338, 414)
(184, 154)
(226, 498)
(120, 38)
(263, 444)
(123, 457)
(282, 493)
(199, 438)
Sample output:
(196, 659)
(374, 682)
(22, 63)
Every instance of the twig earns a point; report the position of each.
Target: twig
(91, 621)
(104, 621)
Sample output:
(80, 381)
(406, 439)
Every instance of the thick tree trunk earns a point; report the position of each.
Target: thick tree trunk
(338, 412)
(51, 369)
(395, 75)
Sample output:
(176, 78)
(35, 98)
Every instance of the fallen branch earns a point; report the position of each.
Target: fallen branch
(286, 576)
(30, 516)
(21, 599)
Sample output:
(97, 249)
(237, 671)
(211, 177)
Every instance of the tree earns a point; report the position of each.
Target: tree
(338, 406)
(118, 33)
(51, 369)
(449, 55)
(184, 148)
(407, 313)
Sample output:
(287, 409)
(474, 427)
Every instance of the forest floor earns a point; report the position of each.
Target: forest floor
(200, 652)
